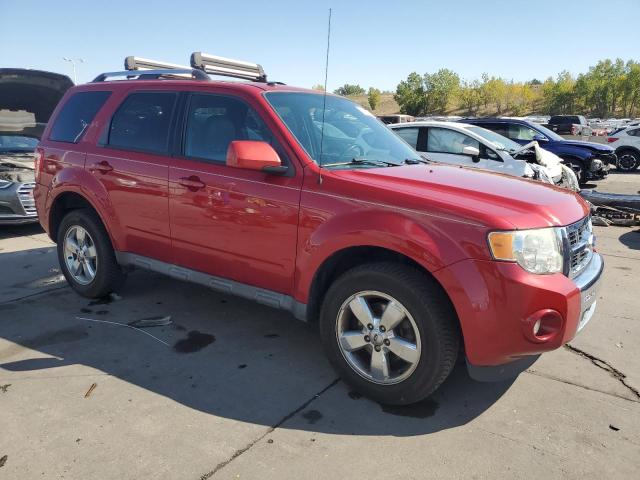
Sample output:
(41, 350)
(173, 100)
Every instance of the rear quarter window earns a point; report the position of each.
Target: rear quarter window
(76, 115)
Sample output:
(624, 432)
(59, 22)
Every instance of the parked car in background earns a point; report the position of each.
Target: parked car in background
(569, 125)
(27, 98)
(388, 119)
(589, 160)
(472, 146)
(306, 202)
(626, 142)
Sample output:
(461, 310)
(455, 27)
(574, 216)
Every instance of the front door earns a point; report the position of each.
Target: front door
(446, 145)
(230, 222)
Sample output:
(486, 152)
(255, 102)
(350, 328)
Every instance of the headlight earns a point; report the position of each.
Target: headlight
(537, 251)
(596, 164)
(5, 183)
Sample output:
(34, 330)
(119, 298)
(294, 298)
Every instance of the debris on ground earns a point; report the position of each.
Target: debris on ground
(3, 460)
(3, 388)
(158, 321)
(91, 389)
(614, 428)
(613, 208)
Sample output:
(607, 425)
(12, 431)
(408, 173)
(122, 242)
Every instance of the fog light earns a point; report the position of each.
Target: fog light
(543, 325)
(536, 326)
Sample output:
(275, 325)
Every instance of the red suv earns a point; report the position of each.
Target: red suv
(306, 202)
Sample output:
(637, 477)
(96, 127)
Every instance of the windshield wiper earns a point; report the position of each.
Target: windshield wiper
(363, 161)
(415, 161)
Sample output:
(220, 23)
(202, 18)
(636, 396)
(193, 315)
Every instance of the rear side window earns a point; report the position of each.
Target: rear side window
(634, 133)
(142, 122)
(76, 115)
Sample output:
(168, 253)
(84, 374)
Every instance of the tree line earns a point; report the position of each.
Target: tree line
(608, 89)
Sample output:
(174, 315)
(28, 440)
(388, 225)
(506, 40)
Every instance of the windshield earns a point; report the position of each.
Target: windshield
(501, 143)
(350, 131)
(546, 132)
(17, 143)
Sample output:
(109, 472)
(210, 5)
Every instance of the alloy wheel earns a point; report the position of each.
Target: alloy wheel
(378, 337)
(80, 255)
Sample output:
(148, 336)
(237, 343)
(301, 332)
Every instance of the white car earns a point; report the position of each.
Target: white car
(473, 146)
(626, 142)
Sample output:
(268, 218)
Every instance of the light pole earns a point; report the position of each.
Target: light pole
(73, 64)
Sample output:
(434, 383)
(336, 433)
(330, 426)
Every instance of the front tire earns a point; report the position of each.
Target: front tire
(86, 256)
(390, 332)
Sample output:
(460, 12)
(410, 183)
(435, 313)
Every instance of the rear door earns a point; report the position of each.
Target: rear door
(132, 163)
(229, 222)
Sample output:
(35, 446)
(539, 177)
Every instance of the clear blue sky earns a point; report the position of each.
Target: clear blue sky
(374, 43)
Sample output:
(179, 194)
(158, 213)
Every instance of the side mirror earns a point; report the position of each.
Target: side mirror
(472, 152)
(253, 155)
(540, 138)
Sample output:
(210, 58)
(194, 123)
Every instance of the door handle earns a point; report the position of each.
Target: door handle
(102, 166)
(193, 183)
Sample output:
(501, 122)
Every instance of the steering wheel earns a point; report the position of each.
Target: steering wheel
(355, 147)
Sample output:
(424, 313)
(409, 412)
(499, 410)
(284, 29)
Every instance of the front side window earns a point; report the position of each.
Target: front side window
(335, 131)
(142, 122)
(443, 140)
(214, 121)
(634, 133)
(500, 142)
(409, 135)
(76, 115)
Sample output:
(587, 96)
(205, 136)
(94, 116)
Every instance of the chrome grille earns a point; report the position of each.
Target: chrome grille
(579, 237)
(25, 194)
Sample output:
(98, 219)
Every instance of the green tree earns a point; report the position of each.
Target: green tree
(410, 95)
(347, 90)
(440, 88)
(373, 97)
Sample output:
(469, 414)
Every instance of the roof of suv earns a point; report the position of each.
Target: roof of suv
(239, 85)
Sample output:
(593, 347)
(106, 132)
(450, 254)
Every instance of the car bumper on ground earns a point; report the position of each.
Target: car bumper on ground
(509, 317)
(17, 205)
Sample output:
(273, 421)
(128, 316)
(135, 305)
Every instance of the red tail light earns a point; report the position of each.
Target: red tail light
(611, 139)
(39, 156)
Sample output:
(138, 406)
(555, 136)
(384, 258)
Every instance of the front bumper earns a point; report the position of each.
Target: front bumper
(17, 205)
(496, 303)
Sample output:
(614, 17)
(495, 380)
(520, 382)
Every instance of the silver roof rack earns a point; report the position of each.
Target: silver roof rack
(227, 67)
(201, 65)
(175, 74)
(139, 63)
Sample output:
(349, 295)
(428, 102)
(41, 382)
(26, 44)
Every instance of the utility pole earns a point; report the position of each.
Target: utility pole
(73, 64)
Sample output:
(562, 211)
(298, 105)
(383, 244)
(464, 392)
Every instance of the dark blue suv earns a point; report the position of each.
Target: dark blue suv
(589, 160)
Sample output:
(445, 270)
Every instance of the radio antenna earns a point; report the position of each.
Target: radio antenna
(324, 99)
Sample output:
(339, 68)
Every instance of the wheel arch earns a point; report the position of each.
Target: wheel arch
(347, 258)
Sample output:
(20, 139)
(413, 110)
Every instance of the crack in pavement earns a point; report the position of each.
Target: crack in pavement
(579, 385)
(42, 292)
(247, 447)
(614, 372)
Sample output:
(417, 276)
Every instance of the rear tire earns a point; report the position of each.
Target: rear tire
(423, 330)
(628, 161)
(86, 256)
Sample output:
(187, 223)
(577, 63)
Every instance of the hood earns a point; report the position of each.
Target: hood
(28, 98)
(594, 147)
(495, 200)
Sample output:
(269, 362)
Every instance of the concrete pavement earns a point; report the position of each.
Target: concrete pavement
(231, 389)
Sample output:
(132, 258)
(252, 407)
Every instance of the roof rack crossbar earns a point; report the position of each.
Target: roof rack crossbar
(154, 74)
(227, 67)
(139, 63)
